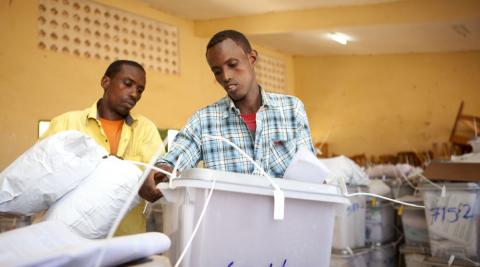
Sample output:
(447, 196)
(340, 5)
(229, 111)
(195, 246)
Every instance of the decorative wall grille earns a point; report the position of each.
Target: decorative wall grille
(271, 73)
(87, 29)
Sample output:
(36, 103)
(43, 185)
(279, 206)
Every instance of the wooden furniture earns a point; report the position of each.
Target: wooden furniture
(453, 171)
(408, 157)
(360, 159)
(465, 128)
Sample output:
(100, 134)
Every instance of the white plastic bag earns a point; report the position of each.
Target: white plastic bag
(47, 171)
(90, 210)
(342, 166)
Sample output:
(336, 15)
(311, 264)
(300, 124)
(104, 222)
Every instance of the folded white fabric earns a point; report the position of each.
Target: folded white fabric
(47, 171)
(346, 168)
(90, 210)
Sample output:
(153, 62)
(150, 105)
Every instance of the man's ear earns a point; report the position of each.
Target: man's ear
(252, 57)
(105, 82)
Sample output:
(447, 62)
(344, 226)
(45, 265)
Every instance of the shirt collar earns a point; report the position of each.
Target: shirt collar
(267, 101)
(92, 113)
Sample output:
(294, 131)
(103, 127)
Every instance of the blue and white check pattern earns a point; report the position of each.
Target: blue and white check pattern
(282, 128)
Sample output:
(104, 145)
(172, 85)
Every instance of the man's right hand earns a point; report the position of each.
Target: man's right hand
(149, 190)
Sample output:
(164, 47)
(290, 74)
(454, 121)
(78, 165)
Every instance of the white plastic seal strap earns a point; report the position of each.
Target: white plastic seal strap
(343, 188)
(174, 172)
(278, 194)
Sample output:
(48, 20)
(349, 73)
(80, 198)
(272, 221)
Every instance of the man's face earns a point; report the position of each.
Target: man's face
(123, 90)
(233, 68)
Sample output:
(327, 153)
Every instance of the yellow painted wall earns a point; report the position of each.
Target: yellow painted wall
(387, 103)
(38, 84)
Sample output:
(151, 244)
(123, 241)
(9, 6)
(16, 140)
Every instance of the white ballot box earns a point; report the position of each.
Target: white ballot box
(239, 229)
(453, 220)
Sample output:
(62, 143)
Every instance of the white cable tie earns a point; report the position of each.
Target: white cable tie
(174, 172)
(279, 204)
(145, 208)
(450, 260)
(349, 250)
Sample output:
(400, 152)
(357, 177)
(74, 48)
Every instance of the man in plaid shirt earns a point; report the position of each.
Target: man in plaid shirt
(268, 127)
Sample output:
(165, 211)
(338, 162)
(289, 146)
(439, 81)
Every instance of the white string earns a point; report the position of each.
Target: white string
(385, 198)
(430, 182)
(274, 185)
(406, 179)
(153, 167)
(200, 219)
(344, 190)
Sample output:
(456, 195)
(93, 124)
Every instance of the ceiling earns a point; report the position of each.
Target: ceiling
(214, 9)
(375, 26)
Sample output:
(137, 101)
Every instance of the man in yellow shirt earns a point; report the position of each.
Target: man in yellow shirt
(111, 124)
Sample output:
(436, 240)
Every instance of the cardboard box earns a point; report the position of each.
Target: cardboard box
(453, 171)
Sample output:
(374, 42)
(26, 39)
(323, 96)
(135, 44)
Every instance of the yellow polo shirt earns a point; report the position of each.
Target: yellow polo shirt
(138, 141)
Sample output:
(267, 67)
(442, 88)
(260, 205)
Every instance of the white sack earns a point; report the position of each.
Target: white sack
(47, 171)
(379, 187)
(342, 166)
(90, 210)
(390, 170)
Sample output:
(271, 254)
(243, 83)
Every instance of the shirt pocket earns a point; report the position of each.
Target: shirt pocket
(281, 153)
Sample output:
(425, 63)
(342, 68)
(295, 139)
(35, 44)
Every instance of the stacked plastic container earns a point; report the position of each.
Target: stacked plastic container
(359, 258)
(349, 230)
(416, 248)
(414, 223)
(348, 247)
(453, 220)
(383, 255)
(380, 222)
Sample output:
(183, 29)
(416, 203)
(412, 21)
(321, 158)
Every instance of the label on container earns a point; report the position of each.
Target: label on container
(452, 216)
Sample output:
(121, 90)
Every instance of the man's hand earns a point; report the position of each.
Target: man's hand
(149, 191)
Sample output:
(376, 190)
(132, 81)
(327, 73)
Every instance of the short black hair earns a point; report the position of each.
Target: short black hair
(115, 67)
(235, 36)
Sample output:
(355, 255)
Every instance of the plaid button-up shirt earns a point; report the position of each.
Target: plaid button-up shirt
(282, 128)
